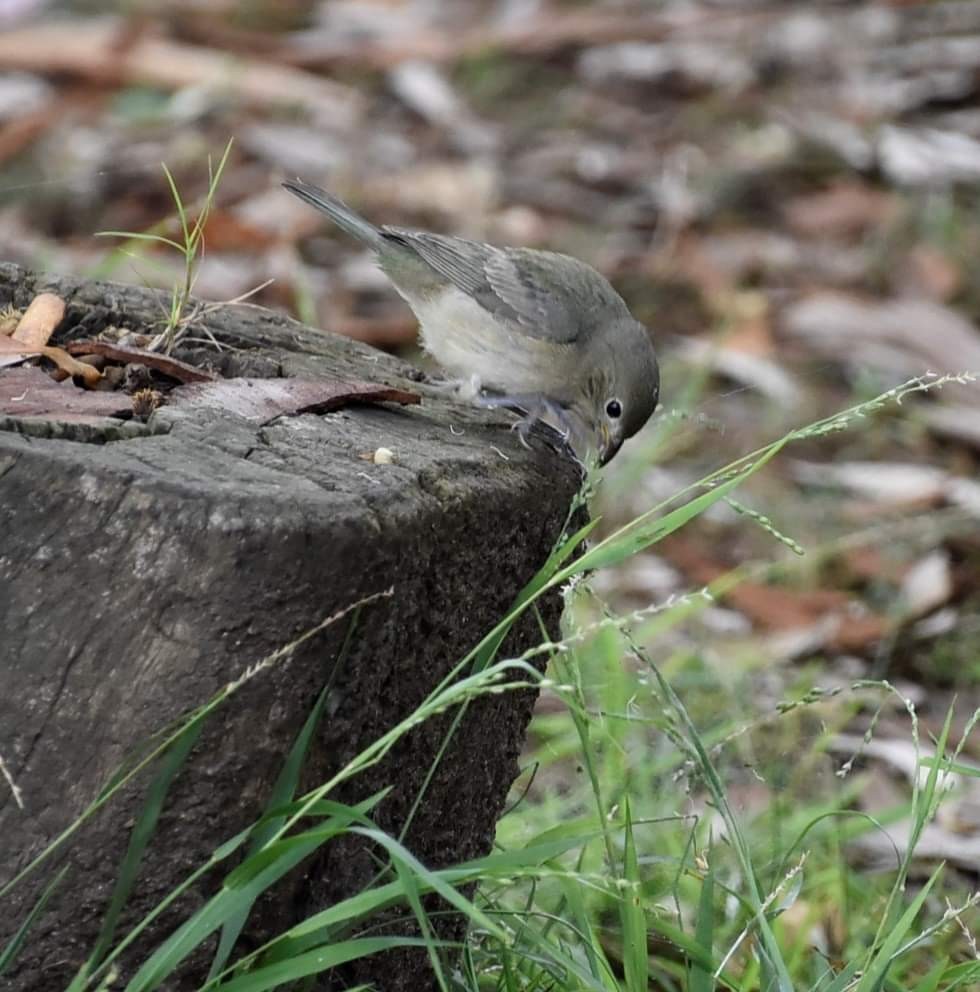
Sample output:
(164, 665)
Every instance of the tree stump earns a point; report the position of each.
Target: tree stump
(140, 574)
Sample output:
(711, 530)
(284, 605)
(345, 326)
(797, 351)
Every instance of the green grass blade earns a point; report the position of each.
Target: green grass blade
(283, 790)
(433, 880)
(409, 884)
(136, 236)
(242, 887)
(649, 529)
(140, 837)
(222, 853)
(701, 980)
(323, 808)
(952, 767)
(960, 974)
(546, 965)
(181, 212)
(924, 804)
(319, 927)
(600, 969)
(257, 865)
(322, 959)
(873, 979)
(10, 952)
(844, 979)
(148, 752)
(125, 773)
(636, 960)
(195, 240)
(928, 805)
(560, 554)
(931, 981)
(693, 950)
(775, 972)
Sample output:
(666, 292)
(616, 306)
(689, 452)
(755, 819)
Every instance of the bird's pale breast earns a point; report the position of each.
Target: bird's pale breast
(466, 340)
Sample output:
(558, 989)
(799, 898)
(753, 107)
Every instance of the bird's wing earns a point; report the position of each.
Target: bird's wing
(550, 296)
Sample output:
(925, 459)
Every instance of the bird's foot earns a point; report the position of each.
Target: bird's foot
(540, 416)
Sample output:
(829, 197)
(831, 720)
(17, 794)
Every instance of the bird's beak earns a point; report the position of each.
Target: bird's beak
(608, 446)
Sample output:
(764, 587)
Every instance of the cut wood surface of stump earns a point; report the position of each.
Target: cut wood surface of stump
(144, 566)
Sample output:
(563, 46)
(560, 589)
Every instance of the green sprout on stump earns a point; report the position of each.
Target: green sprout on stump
(190, 247)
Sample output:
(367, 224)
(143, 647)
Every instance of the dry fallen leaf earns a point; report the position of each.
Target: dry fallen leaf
(11, 348)
(927, 156)
(884, 482)
(902, 337)
(172, 367)
(935, 843)
(893, 483)
(846, 208)
(35, 327)
(99, 50)
(40, 319)
(956, 421)
(29, 392)
(824, 617)
(225, 231)
(753, 370)
(538, 35)
(929, 272)
(928, 584)
(265, 399)
(901, 755)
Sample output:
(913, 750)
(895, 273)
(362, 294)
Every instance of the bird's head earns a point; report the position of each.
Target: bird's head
(621, 387)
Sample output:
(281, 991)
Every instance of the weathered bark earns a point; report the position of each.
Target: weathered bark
(139, 575)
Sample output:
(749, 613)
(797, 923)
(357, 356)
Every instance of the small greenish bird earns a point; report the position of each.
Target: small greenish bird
(521, 328)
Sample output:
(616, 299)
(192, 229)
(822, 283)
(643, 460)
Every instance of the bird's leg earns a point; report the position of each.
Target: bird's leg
(534, 410)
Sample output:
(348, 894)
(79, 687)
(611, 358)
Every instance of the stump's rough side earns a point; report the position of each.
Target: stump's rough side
(139, 576)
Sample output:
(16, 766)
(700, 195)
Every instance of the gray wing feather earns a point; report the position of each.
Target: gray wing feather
(549, 295)
(459, 261)
(534, 305)
(554, 296)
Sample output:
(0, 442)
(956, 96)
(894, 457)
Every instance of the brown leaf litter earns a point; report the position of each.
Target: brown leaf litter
(172, 367)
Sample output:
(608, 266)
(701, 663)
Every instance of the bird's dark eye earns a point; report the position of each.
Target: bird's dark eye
(614, 409)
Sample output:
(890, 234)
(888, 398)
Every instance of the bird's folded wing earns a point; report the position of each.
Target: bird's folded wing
(549, 296)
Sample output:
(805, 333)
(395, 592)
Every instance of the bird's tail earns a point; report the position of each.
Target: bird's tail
(336, 210)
